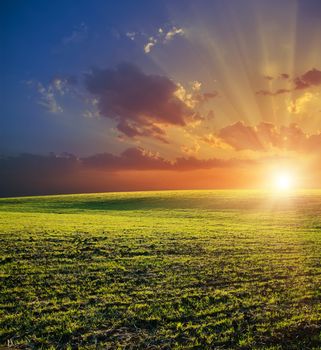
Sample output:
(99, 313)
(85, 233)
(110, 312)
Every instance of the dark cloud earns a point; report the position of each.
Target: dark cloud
(141, 104)
(132, 130)
(35, 174)
(48, 165)
(272, 93)
(281, 76)
(309, 79)
(284, 76)
(130, 159)
(139, 159)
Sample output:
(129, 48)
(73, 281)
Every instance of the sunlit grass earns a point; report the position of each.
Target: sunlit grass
(162, 270)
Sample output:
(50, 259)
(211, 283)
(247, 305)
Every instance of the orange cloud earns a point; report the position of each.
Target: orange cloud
(266, 136)
(215, 141)
(241, 137)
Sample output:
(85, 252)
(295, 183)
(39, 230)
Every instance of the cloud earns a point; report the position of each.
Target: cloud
(35, 174)
(29, 174)
(308, 102)
(284, 76)
(163, 37)
(48, 98)
(266, 136)
(185, 96)
(215, 141)
(131, 130)
(172, 33)
(130, 159)
(240, 137)
(133, 158)
(49, 94)
(150, 44)
(191, 150)
(196, 85)
(141, 104)
(195, 98)
(273, 93)
(140, 159)
(307, 80)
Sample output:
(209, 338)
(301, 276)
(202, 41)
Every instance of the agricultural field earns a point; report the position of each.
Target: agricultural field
(161, 270)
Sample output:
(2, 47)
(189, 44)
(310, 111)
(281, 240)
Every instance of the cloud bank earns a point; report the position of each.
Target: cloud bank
(29, 174)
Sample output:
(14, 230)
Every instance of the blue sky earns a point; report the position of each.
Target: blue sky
(42, 40)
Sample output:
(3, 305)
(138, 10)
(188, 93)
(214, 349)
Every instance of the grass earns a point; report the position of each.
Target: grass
(161, 270)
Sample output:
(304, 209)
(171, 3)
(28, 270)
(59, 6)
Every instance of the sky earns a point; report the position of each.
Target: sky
(146, 95)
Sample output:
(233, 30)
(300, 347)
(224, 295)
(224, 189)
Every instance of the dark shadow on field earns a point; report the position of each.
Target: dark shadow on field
(203, 200)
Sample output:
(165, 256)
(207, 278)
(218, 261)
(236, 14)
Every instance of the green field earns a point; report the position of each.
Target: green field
(161, 270)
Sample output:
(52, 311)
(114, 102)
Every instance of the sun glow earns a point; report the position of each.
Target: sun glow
(286, 178)
(284, 181)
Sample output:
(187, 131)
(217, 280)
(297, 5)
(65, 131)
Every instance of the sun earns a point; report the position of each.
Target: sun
(283, 178)
(284, 181)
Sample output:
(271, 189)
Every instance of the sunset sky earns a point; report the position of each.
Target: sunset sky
(141, 95)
